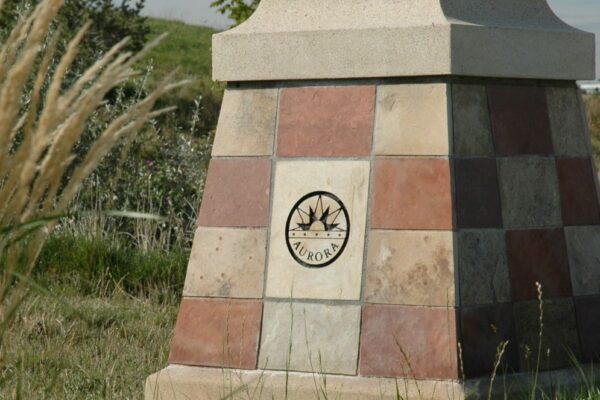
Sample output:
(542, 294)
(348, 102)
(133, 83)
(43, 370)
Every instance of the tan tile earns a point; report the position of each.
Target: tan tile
(246, 123)
(583, 246)
(227, 263)
(567, 122)
(412, 120)
(324, 338)
(410, 268)
(349, 181)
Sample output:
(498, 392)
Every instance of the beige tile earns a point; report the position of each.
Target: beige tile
(410, 268)
(247, 123)
(227, 263)
(341, 279)
(412, 120)
(583, 246)
(324, 338)
(567, 122)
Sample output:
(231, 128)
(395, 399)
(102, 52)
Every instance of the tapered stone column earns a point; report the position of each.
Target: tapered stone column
(390, 179)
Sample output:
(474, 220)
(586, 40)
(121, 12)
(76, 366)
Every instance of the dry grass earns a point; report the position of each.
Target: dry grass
(42, 119)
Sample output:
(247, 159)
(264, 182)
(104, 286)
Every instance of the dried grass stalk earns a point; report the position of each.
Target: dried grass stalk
(38, 137)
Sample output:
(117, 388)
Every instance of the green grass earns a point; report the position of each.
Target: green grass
(85, 347)
(187, 48)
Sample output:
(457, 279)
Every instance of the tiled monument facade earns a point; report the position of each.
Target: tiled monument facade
(439, 202)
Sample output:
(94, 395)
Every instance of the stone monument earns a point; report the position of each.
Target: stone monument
(390, 179)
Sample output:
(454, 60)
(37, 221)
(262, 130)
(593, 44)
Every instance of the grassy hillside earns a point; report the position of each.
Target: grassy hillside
(187, 48)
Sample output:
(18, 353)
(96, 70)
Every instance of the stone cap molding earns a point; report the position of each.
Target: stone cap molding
(345, 39)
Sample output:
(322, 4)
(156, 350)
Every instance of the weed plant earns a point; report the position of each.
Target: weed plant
(42, 119)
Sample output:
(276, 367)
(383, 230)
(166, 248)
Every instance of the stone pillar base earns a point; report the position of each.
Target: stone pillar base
(184, 382)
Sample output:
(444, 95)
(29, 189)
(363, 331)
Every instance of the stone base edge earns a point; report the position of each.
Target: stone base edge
(198, 383)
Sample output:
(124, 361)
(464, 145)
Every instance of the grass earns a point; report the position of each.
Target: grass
(94, 347)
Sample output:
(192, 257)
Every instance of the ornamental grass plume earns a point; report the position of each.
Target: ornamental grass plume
(42, 119)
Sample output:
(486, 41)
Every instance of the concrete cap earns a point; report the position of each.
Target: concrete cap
(341, 39)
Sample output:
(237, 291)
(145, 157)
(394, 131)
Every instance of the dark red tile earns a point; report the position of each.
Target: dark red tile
(477, 195)
(588, 322)
(326, 121)
(520, 122)
(412, 193)
(578, 196)
(393, 337)
(483, 331)
(236, 193)
(538, 256)
(217, 333)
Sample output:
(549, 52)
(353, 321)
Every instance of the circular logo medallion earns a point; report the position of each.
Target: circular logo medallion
(317, 229)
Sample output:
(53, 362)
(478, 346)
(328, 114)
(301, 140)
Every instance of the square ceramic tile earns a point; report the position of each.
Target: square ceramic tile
(236, 193)
(323, 338)
(583, 244)
(471, 116)
(529, 193)
(246, 123)
(217, 333)
(588, 321)
(559, 334)
(412, 193)
(578, 195)
(483, 268)
(483, 331)
(326, 121)
(520, 122)
(411, 268)
(318, 229)
(567, 122)
(412, 342)
(412, 120)
(227, 263)
(477, 198)
(538, 256)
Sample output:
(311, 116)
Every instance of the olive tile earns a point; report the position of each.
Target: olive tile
(583, 244)
(529, 192)
(483, 268)
(472, 130)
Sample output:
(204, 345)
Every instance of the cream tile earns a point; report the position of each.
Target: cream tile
(411, 268)
(324, 338)
(412, 120)
(227, 263)
(341, 279)
(247, 123)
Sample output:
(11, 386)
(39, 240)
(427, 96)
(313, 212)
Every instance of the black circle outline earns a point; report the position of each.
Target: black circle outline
(289, 219)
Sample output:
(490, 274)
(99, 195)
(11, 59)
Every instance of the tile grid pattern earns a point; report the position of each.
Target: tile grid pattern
(378, 318)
